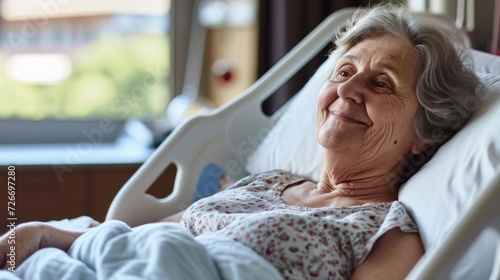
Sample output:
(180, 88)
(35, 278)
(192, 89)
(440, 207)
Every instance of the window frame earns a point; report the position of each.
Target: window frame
(180, 22)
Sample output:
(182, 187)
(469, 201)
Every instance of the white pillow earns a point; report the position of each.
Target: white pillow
(486, 62)
(453, 179)
(437, 194)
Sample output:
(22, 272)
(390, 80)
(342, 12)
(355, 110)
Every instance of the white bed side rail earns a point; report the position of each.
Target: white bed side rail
(215, 138)
(483, 215)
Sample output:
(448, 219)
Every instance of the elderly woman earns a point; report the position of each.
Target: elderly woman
(400, 89)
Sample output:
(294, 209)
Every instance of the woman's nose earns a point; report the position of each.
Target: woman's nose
(352, 90)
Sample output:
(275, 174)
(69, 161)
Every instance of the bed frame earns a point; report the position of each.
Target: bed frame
(221, 144)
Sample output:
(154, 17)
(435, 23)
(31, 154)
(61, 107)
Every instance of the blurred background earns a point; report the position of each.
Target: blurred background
(74, 61)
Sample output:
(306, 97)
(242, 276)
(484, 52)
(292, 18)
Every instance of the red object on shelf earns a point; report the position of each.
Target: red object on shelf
(227, 76)
(223, 69)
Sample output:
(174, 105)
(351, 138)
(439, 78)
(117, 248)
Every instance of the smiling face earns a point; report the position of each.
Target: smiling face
(367, 107)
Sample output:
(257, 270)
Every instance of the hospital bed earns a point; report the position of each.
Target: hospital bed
(455, 198)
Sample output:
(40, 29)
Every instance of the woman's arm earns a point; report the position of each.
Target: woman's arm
(33, 236)
(392, 257)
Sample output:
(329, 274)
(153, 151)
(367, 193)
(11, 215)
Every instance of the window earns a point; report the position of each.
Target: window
(83, 60)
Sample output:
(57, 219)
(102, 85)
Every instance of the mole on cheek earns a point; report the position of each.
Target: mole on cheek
(395, 142)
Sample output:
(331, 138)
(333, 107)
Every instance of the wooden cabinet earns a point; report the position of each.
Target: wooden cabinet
(39, 195)
(42, 195)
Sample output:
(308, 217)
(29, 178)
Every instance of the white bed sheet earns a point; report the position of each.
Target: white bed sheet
(113, 250)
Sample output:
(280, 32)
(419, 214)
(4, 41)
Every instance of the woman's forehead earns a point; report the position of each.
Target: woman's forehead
(390, 45)
(388, 51)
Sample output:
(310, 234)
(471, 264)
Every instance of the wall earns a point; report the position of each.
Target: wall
(483, 17)
(238, 48)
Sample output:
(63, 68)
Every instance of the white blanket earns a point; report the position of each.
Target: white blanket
(153, 251)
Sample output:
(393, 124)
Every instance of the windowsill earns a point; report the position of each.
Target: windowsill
(132, 147)
(71, 155)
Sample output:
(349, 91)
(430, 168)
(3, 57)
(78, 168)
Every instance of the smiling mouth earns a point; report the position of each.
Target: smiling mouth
(346, 118)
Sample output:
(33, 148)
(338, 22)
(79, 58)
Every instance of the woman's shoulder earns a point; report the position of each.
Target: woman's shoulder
(398, 216)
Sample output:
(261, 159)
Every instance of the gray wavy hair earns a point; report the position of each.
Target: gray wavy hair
(446, 81)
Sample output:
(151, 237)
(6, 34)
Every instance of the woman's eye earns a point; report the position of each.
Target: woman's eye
(340, 75)
(343, 74)
(384, 87)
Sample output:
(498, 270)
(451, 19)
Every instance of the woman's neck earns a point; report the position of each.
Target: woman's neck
(358, 181)
(356, 192)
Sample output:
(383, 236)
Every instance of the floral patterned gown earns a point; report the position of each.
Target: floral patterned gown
(301, 242)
